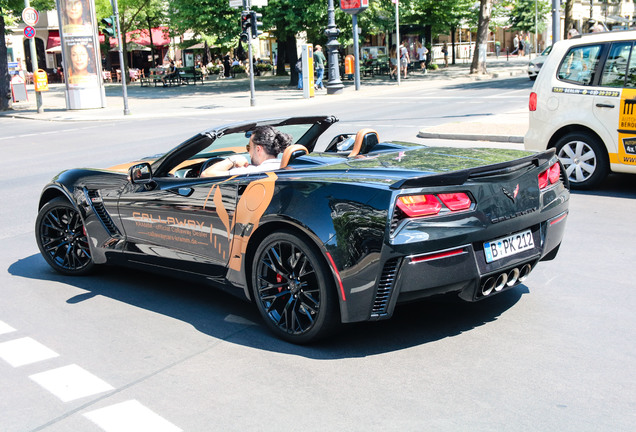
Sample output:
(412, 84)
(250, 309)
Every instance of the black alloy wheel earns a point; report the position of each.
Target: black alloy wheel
(62, 238)
(293, 289)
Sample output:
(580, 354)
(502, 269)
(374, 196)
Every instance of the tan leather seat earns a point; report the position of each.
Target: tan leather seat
(365, 140)
(291, 153)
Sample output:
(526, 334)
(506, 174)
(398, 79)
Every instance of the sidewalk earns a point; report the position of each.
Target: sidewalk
(232, 95)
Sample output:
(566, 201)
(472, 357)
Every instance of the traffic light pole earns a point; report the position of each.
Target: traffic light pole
(246, 9)
(121, 57)
(34, 65)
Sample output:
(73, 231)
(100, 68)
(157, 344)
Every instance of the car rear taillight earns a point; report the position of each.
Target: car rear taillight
(429, 205)
(456, 201)
(550, 176)
(554, 173)
(419, 205)
(533, 101)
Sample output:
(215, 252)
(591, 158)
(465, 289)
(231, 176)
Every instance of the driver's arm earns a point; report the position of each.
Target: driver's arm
(221, 168)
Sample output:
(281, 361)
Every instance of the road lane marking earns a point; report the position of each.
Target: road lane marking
(71, 382)
(5, 328)
(24, 351)
(130, 416)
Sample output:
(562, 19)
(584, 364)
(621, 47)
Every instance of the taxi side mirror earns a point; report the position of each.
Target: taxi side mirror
(140, 173)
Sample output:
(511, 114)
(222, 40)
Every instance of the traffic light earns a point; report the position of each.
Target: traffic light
(246, 24)
(256, 24)
(110, 29)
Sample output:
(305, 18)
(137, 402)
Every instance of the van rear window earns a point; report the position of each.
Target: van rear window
(579, 64)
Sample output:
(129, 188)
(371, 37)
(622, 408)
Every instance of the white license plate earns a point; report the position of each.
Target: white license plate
(507, 246)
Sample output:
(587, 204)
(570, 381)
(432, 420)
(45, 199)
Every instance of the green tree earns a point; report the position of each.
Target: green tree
(10, 11)
(522, 16)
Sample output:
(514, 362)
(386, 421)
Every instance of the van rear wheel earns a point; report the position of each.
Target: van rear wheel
(584, 158)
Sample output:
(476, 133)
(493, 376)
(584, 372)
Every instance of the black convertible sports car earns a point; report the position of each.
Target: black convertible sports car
(347, 228)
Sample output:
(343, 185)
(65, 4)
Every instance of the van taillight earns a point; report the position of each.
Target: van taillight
(533, 101)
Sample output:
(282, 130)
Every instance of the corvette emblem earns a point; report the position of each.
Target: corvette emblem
(512, 195)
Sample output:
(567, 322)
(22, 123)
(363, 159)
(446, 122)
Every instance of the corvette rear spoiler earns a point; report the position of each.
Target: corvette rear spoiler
(460, 177)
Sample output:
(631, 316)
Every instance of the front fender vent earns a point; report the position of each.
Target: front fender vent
(385, 287)
(96, 203)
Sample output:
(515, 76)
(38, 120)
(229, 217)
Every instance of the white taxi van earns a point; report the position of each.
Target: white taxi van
(583, 104)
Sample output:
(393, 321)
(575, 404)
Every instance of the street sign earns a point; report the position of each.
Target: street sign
(30, 16)
(29, 32)
(239, 3)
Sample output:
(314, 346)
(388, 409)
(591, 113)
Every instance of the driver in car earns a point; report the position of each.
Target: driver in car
(265, 144)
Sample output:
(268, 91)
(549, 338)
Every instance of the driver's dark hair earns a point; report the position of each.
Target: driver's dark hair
(272, 140)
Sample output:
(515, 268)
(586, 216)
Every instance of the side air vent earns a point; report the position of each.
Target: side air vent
(97, 204)
(398, 215)
(385, 287)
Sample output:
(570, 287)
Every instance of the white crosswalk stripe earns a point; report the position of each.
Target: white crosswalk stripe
(130, 416)
(71, 382)
(24, 351)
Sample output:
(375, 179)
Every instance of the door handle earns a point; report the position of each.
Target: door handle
(602, 105)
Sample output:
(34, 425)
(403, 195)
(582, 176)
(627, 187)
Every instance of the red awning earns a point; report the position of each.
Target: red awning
(159, 37)
(53, 40)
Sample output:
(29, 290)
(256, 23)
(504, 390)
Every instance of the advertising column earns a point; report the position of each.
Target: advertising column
(80, 53)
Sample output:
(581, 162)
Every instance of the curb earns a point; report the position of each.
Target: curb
(471, 137)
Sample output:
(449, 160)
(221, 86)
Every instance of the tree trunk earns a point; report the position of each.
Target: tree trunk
(453, 39)
(280, 58)
(292, 58)
(568, 23)
(478, 65)
(5, 79)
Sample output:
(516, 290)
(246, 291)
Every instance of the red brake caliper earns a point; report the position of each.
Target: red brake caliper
(279, 279)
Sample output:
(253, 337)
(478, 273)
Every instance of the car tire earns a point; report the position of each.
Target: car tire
(62, 239)
(584, 159)
(532, 77)
(293, 289)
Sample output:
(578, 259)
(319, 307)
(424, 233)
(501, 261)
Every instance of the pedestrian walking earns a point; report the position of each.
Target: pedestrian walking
(394, 62)
(319, 65)
(422, 51)
(515, 45)
(445, 52)
(404, 58)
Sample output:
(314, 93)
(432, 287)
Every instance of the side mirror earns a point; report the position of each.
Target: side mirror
(140, 173)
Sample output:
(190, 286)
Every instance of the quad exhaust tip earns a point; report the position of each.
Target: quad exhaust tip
(505, 279)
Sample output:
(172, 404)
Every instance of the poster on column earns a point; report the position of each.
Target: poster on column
(81, 55)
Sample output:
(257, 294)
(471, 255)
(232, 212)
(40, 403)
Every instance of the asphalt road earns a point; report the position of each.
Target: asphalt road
(124, 350)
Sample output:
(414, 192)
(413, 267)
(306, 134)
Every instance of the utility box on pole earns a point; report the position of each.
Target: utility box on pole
(308, 71)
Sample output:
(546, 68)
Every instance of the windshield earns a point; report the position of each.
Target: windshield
(235, 142)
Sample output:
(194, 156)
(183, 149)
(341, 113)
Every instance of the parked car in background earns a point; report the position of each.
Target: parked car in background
(582, 104)
(534, 66)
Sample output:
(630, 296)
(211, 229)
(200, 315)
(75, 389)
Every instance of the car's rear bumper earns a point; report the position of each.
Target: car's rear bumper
(461, 269)
(464, 269)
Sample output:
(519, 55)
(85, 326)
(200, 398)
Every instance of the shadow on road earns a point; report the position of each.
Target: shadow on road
(615, 185)
(225, 317)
